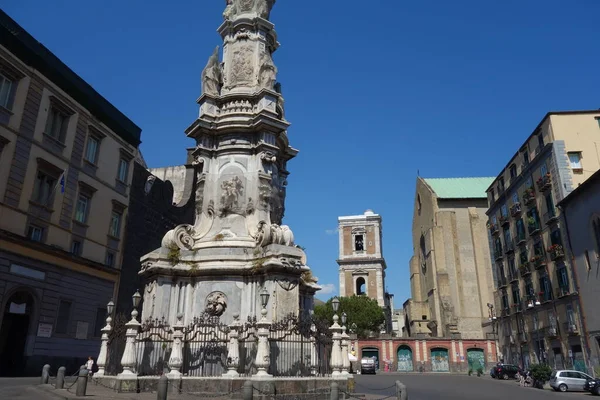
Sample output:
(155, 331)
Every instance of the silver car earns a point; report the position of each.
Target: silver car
(568, 380)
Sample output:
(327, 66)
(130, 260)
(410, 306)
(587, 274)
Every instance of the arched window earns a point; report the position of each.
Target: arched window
(361, 286)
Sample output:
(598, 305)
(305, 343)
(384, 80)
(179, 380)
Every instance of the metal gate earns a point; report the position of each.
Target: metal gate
(405, 360)
(439, 360)
(476, 359)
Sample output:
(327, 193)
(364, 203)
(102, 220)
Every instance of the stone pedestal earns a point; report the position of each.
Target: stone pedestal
(336, 351)
(101, 360)
(345, 341)
(233, 349)
(176, 358)
(263, 359)
(129, 359)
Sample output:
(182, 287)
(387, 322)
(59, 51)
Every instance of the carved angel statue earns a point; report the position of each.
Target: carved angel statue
(267, 75)
(211, 75)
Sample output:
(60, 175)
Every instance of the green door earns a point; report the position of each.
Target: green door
(439, 360)
(405, 362)
(476, 359)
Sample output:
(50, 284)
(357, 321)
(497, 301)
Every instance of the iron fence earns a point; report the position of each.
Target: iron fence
(153, 347)
(205, 347)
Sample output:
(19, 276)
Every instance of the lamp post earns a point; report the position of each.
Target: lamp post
(494, 320)
(345, 342)
(533, 304)
(313, 344)
(101, 360)
(336, 351)
(262, 352)
(129, 359)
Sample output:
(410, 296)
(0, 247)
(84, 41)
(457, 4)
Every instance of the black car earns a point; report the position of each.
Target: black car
(505, 371)
(592, 386)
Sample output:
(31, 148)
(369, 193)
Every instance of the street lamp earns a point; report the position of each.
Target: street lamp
(335, 303)
(264, 298)
(533, 303)
(137, 298)
(110, 307)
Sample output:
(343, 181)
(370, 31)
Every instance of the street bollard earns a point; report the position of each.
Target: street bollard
(401, 393)
(82, 382)
(45, 374)
(162, 388)
(60, 378)
(335, 391)
(248, 390)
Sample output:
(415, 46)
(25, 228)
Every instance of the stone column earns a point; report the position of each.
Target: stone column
(345, 359)
(176, 358)
(336, 351)
(128, 361)
(263, 359)
(233, 350)
(101, 360)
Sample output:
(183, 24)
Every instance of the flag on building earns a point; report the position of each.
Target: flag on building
(62, 181)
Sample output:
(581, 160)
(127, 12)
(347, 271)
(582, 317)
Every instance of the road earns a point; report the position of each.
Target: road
(20, 389)
(456, 387)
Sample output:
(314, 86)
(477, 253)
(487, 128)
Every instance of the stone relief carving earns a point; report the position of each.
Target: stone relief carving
(210, 209)
(211, 75)
(267, 74)
(287, 284)
(181, 237)
(242, 67)
(274, 234)
(250, 207)
(291, 263)
(149, 183)
(236, 7)
(151, 286)
(231, 192)
(146, 265)
(216, 304)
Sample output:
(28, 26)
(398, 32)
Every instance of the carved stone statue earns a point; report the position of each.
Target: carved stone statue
(236, 7)
(211, 75)
(231, 190)
(216, 303)
(267, 75)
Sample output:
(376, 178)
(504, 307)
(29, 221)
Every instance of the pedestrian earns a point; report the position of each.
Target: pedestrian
(89, 365)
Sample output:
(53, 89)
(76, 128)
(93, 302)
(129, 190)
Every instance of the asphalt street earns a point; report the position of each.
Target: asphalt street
(456, 387)
(20, 389)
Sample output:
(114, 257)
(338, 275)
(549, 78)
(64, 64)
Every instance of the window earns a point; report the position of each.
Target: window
(538, 248)
(575, 160)
(507, 239)
(529, 288)
(555, 237)
(515, 198)
(64, 314)
(123, 170)
(44, 188)
(100, 321)
(91, 151)
(35, 233)
(361, 286)
(543, 170)
(359, 243)
(520, 230)
(504, 210)
(545, 288)
(563, 277)
(81, 210)
(513, 171)
(493, 195)
(6, 91)
(110, 259)
(501, 185)
(540, 138)
(516, 294)
(525, 158)
(56, 124)
(115, 224)
(76, 247)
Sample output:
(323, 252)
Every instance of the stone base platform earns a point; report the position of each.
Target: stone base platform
(313, 387)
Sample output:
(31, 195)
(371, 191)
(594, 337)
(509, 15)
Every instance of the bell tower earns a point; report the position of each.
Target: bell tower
(362, 266)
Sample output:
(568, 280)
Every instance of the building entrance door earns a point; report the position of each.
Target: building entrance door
(476, 359)
(439, 360)
(405, 360)
(371, 352)
(13, 333)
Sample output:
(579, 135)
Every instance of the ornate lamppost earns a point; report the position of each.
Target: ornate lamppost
(336, 351)
(345, 342)
(263, 359)
(493, 318)
(101, 360)
(129, 354)
(533, 304)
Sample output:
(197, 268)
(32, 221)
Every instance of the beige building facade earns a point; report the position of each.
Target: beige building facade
(536, 302)
(65, 160)
(451, 282)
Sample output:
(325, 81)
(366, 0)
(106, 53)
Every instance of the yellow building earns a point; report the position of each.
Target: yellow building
(536, 302)
(65, 155)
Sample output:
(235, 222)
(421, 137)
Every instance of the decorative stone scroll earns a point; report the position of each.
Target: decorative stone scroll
(274, 234)
(181, 237)
(216, 304)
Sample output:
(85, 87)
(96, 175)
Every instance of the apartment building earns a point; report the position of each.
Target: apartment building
(539, 320)
(65, 160)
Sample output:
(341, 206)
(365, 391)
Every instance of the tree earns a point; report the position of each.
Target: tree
(361, 310)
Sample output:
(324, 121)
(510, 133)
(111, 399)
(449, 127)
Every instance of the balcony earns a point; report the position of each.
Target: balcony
(525, 269)
(515, 210)
(538, 261)
(509, 247)
(544, 183)
(505, 312)
(545, 297)
(493, 229)
(498, 254)
(533, 227)
(556, 252)
(518, 307)
(502, 282)
(572, 328)
(551, 217)
(503, 220)
(522, 337)
(551, 332)
(521, 239)
(529, 197)
(563, 291)
(513, 275)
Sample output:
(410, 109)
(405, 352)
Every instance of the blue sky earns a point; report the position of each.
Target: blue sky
(375, 91)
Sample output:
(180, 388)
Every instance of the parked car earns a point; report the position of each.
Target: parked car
(493, 372)
(368, 365)
(592, 386)
(568, 380)
(505, 371)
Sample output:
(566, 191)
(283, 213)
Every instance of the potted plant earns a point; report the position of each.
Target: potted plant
(541, 374)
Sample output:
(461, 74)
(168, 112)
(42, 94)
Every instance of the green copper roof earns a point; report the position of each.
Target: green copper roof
(460, 188)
